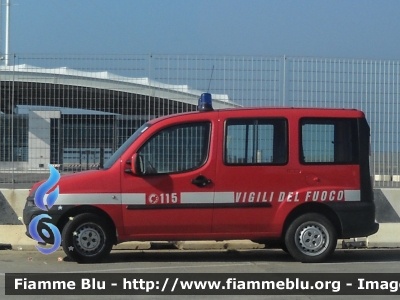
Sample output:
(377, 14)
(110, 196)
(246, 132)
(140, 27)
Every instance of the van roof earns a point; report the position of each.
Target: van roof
(281, 111)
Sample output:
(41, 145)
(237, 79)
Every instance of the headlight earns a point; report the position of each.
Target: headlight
(30, 203)
(33, 191)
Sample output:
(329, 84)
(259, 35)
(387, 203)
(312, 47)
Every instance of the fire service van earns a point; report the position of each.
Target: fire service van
(294, 177)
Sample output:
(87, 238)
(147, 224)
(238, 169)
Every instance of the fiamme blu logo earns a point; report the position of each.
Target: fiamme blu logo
(45, 203)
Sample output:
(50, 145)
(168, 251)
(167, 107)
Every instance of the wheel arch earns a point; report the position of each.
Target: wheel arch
(313, 208)
(77, 210)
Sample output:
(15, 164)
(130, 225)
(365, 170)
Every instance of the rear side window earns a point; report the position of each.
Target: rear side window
(176, 149)
(255, 141)
(329, 141)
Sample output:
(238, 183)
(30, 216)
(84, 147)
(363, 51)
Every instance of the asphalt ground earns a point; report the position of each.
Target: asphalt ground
(206, 262)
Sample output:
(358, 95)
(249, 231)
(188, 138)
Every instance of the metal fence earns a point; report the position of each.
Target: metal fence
(74, 111)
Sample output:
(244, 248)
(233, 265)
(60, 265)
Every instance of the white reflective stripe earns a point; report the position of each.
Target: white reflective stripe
(73, 199)
(194, 198)
(140, 198)
(352, 195)
(224, 197)
(134, 199)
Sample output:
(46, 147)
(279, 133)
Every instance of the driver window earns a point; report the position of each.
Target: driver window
(176, 149)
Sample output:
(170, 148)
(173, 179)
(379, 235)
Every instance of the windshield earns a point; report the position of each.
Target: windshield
(117, 154)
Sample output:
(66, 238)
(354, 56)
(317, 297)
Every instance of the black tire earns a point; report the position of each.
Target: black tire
(311, 238)
(87, 238)
(284, 248)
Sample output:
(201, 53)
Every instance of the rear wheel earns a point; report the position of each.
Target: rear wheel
(311, 238)
(87, 238)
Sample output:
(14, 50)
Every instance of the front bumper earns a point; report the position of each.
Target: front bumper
(55, 213)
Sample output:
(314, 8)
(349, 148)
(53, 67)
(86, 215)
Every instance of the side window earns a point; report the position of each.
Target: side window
(176, 149)
(256, 141)
(329, 141)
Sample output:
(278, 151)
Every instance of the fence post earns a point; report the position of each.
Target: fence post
(12, 124)
(284, 86)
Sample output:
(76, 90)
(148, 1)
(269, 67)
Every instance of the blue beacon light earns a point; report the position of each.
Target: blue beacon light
(205, 102)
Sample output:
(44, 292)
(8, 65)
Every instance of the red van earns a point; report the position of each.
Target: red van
(298, 177)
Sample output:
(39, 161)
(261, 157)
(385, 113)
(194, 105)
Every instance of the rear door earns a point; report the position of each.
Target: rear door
(252, 173)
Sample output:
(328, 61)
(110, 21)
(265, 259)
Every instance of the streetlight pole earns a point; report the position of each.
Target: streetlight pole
(7, 33)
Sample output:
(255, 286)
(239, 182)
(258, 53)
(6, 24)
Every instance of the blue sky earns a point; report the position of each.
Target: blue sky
(350, 29)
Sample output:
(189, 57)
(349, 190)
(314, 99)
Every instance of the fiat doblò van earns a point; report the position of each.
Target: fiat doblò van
(296, 177)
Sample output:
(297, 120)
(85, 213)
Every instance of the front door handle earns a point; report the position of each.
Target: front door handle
(201, 181)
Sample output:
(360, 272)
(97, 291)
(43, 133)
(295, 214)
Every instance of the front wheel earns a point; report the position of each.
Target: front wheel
(311, 238)
(87, 238)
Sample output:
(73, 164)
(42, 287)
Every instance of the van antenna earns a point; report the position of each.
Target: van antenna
(209, 83)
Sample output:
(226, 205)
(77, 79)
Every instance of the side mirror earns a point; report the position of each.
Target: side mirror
(135, 165)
